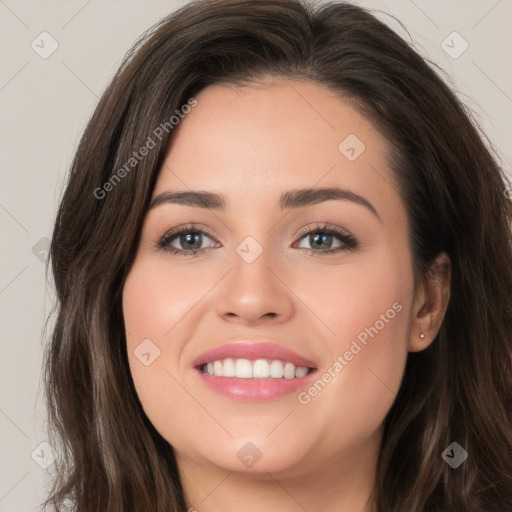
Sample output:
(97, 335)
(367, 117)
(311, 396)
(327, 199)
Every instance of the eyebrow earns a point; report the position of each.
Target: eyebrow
(291, 199)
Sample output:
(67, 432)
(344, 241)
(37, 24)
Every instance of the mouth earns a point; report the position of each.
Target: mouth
(253, 371)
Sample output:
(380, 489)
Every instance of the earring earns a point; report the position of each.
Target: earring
(422, 336)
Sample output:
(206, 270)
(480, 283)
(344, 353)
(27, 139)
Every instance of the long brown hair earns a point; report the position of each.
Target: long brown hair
(459, 389)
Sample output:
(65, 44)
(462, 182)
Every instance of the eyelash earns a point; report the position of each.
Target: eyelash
(346, 238)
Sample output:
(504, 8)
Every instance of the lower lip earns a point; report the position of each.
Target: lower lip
(255, 390)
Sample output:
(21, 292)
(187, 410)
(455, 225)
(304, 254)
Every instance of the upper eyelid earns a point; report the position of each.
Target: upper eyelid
(187, 228)
(304, 231)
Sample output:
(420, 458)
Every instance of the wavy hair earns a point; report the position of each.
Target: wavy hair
(111, 458)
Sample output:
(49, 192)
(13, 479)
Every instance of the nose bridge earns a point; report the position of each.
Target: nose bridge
(252, 289)
(253, 261)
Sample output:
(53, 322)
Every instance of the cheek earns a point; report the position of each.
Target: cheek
(369, 315)
(159, 300)
(153, 305)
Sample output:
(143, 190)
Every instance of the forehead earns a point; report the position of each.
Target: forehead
(260, 140)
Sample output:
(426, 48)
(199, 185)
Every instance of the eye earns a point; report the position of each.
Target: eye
(318, 236)
(189, 238)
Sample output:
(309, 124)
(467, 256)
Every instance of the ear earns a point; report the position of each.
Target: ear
(430, 304)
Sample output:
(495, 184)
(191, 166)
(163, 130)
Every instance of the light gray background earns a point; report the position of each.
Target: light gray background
(45, 104)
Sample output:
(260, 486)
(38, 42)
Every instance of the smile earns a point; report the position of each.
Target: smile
(256, 369)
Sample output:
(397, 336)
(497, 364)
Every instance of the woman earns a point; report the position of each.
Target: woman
(209, 354)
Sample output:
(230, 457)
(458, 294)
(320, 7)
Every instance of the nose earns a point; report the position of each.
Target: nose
(256, 292)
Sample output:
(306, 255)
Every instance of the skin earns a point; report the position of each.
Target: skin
(251, 144)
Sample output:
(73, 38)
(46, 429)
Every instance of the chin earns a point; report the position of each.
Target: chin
(255, 455)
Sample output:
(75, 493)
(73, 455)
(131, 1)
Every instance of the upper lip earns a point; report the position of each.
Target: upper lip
(242, 349)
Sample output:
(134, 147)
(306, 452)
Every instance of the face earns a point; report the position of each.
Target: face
(322, 280)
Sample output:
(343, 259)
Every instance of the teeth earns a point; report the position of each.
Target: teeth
(276, 369)
(228, 368)
(243, 369)
(301, 371)
(289, 371)
(259, 369)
